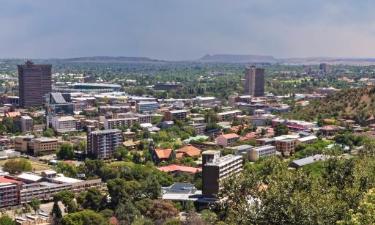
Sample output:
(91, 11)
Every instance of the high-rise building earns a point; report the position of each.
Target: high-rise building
(254, 81)
(103, 143)
(216, 169)
(35, 81)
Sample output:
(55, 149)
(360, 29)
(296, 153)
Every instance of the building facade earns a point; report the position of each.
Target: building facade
(254, 81)
(262, 151)
(35, 82)
(216, 169)
(103, 143)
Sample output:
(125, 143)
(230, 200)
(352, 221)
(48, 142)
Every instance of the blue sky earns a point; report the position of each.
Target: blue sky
(186, 29)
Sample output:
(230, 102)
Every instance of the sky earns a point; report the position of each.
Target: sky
(186, 29)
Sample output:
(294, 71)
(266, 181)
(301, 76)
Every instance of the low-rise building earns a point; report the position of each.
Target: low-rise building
(175, 115)
(44, 145)
(64, 124)
(286, 146)
(225, 140)
(188, 151)
(261, 151)
(228, 115)
(9, 192)
(147, 106)
(26, 124)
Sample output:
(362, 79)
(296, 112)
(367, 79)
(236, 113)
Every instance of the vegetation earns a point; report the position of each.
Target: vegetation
(14, 166)
(65, 152)
(356, 104)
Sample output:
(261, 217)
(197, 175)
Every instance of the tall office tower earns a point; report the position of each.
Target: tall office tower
(35, 81)
(103, 143)
(254, 81)
(216, 169)
(324, 68)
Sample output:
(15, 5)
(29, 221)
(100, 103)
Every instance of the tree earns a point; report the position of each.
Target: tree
(93, 200)
(83, 218)
(121, 153)
(66, 152)
(67, 169)
(49, 133)
(6, 220)
(56, 212)
(67, 198)
(209, 217)
(35, 204)
(142, 221)
(365, 214)
(126, 212)
(151, 187)
(161, 210)
(14, 166)
(281, 129)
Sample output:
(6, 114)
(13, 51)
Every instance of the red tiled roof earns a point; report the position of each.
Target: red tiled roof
(12, 114)
(174, 167)
(163, 153)
(230, 136)
(329, 128)
(248, 136)
(189, 150)
(113, 221)
(7, 180)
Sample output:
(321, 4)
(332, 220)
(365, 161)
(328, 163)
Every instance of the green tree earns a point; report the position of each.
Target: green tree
(35, 204)
(93, 200)
(84, 217)
(6, 220)
(281, 129)
(126, 212)
(48, 133)
(365, 214)
(56, 212)
(67, 198)
(65, 152)
(14, 166)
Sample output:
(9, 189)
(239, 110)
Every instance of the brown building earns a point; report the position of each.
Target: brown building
(44, 145)
(35, 81)
(175, 115)
(254, 81)
(286, 146)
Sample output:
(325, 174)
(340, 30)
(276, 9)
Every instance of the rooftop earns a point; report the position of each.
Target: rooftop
(224, 160)
(163, 153)
(105, 131)
(179, 168)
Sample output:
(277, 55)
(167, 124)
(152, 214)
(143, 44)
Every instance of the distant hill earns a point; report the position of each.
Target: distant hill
(228, 58)
(112, 59)
(356, 104)
(329, 60)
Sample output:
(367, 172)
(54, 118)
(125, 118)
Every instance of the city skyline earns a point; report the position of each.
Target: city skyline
(186, 30)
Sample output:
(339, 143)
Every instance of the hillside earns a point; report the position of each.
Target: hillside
(111, 59)
(228, 58)
(356, 104)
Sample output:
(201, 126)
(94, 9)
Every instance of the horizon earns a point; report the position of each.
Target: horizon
(187, 30)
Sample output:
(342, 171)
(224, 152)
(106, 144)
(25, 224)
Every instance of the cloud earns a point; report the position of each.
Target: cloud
(186, 29)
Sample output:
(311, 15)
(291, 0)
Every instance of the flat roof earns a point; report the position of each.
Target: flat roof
(29, 177)
(105, 131)
(66, 180)
(224, 160)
